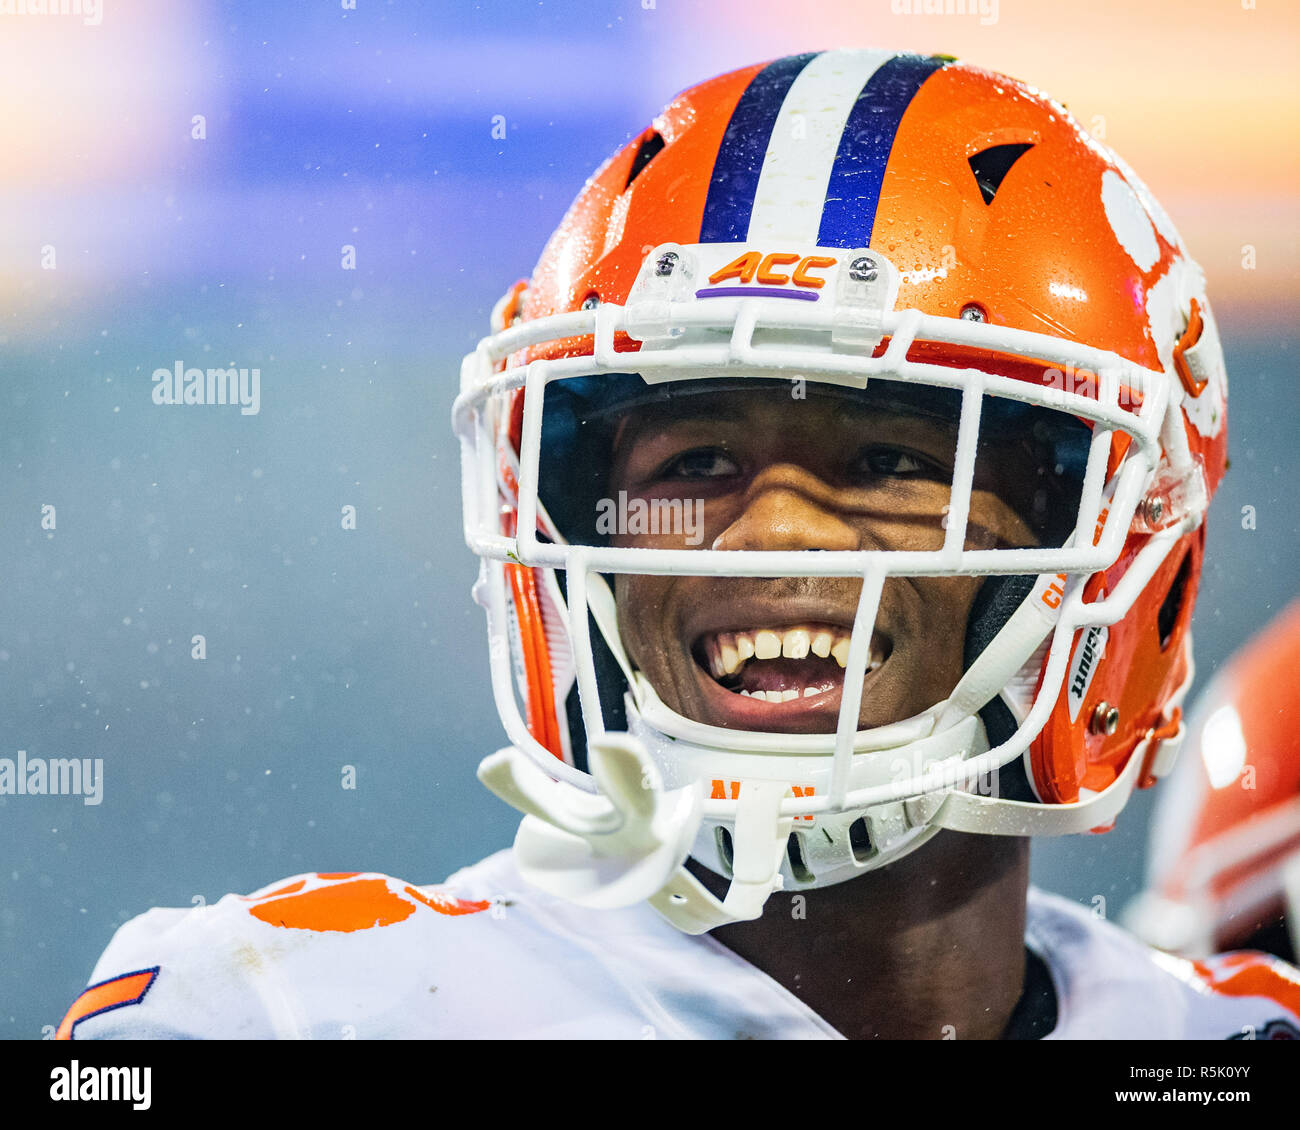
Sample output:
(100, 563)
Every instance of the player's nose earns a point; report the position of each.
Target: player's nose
(788, 508)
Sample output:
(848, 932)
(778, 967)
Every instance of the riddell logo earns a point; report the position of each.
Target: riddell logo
(771, 274)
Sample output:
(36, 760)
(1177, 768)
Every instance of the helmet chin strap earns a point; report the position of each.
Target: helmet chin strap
(759, 836)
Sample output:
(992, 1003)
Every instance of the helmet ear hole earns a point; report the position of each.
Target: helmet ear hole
(1172, 607)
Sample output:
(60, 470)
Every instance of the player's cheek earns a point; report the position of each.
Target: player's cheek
(994, 522)
(900, 516)
(931, 647)
(642, 621)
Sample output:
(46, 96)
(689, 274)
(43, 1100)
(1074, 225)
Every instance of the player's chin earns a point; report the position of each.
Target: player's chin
(794, 706)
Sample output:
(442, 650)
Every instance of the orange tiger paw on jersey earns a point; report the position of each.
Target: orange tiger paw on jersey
(340, 901)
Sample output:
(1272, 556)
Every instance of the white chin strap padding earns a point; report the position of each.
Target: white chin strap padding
(758, 848)
(610, 850)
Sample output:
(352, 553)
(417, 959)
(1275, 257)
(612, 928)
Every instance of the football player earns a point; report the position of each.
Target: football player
(838, 478)
(1224, 860)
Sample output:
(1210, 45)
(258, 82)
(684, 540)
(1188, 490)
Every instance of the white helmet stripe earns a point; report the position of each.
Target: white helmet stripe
(801, 152)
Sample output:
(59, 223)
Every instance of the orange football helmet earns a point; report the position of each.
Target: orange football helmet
(849, 218)
(1224, 870)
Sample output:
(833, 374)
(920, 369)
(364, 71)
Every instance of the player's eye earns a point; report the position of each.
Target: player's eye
(699, 463)
(893, 462)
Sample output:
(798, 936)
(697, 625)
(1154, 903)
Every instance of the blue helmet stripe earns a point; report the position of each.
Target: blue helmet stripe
(739, 163)
(853, 193)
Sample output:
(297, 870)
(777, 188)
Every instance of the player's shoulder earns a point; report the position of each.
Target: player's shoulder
(1250, 975)
(1110, 984)
(245, 966)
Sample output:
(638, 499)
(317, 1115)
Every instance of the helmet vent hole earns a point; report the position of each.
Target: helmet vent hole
(860, 840)
(992, 165)
(794, 851)
(650, 145)
(1167, 620)
(724, 849)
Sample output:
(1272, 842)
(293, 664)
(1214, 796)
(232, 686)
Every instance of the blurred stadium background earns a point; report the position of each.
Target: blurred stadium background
(374, 127)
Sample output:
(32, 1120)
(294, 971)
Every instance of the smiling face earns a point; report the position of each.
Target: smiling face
(763, 471)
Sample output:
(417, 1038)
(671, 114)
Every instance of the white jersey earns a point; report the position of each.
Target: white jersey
(366, 956)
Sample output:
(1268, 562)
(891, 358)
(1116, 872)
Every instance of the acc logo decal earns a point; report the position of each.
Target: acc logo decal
(754, 266)
(116, 992)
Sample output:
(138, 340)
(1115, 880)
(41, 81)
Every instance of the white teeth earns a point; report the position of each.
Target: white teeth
(795, 643)
(714, 656)
(783, 696)
(726, 652)
(767, 645)
(730, 658)
(841, 653)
